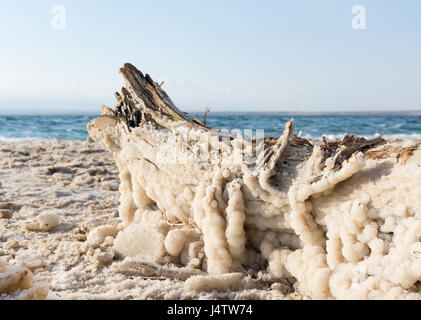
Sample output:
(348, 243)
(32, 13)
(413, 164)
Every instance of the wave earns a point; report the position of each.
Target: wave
(20, 139)
(340, 136)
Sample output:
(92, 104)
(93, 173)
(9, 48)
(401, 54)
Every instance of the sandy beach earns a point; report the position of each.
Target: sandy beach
(74, 185)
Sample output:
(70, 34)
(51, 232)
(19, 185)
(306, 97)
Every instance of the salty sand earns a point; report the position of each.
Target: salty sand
(74, 184)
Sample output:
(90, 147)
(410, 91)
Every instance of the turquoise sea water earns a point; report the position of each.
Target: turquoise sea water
(70, 127)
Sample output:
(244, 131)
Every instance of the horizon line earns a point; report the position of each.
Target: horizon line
(310, 113)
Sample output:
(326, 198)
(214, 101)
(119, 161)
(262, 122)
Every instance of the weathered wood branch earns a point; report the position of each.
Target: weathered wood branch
(143, 98)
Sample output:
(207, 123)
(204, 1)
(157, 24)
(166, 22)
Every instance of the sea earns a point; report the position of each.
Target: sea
(15, 128)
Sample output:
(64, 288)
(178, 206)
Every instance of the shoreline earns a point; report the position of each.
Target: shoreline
(395, 137)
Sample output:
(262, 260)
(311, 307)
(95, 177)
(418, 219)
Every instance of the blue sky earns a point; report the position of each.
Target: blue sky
(229, 55)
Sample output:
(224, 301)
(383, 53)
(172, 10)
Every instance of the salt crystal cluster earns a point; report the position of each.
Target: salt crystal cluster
(341, 218)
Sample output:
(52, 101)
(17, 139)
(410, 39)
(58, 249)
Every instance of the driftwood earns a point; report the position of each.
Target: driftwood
(144, 101)
(223, 202)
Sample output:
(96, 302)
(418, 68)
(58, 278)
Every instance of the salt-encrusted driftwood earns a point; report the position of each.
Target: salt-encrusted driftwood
(342, 217)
